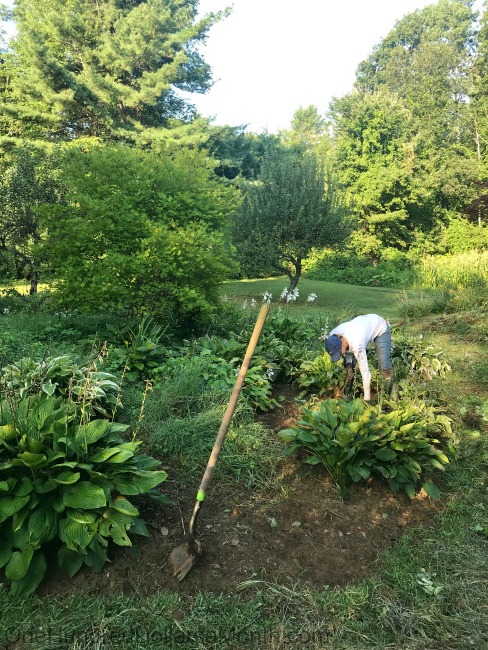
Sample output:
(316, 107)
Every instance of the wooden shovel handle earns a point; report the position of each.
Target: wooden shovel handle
(229, 411)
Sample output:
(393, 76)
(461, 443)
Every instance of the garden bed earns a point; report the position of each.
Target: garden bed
(300, 531)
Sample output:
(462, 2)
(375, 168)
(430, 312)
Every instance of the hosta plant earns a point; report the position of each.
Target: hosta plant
(95, 391)
(220, 372)
(145, 352)
(412, 355)
(65, 484)
(320, 375)
(354, 440)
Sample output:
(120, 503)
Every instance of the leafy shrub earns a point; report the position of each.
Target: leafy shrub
(144, 350)
(354, 440)
(95, 391)
(413, 356)
(162, 251)
(345, 266)
(219, 374)
(321, 376)
(66, 483)
(12, 301)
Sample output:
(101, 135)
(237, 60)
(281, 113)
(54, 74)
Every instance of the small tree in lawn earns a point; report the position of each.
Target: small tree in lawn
(27, 183)
(290, 209)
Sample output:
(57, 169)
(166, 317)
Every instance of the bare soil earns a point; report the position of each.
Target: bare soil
(301, 531)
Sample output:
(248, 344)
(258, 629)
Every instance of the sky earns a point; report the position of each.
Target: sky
(271, 57)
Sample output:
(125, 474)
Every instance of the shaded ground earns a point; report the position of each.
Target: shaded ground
(301, 531)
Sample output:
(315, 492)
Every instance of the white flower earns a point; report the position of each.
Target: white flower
(6, 310)
(244, 304)
(324, 331)
(311, 297)
(284, 293)
(270, 373)
(253, 302)
(225, 298)
(267, 296)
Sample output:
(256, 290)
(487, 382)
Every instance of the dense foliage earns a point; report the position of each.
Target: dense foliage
(65, 479)
(139, 231)
(354, 440)
(109, 69)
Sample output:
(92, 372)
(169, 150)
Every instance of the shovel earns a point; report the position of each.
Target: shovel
(186, 554)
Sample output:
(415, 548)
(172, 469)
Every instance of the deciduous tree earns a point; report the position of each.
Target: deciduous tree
(288, 210)
(139, 231)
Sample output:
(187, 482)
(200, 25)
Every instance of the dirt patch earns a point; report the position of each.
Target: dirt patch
(305, 533)
(301, 531)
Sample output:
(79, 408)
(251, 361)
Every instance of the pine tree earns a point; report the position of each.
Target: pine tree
(106, 68)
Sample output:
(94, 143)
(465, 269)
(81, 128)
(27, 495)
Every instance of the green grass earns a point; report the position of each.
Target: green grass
(333, 298)
(22, 286)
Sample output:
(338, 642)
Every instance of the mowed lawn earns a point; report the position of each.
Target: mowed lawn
(333, 298)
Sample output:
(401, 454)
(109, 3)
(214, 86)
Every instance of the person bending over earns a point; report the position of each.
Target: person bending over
(355, 336)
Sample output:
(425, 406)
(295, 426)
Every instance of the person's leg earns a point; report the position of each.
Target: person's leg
(382, 346)
(383, 354)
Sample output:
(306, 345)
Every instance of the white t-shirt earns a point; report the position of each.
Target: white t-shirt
(359, 332)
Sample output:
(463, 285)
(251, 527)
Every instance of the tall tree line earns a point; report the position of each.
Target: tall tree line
(394, 164)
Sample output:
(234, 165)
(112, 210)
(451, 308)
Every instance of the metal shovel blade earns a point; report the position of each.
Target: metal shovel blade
(184, 556)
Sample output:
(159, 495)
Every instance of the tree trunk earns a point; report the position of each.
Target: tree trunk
(294, 278)
(33, 283)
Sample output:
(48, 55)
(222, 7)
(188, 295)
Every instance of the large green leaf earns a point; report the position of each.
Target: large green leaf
(306, 436)
(69, 560)
(23, 487)
(104, 454)
(5, 552)
(385, 454)
(43, 525)
(21, 538)
(288, 435)
(81, 516)
(19, 518)
(84, 495)
(8, 432)
(121, 456)
(76, 536)
(146, 462)
(125, 507)
(10, 504)
(96, 556)
(33, 445)
(31, 460)
(18, 564)
(89, 433)
(139, 527)
(432, 490)
(32, 579)
(119, 534)
(42, 487)
(139, 482)
(67, 478)
(312, 460)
